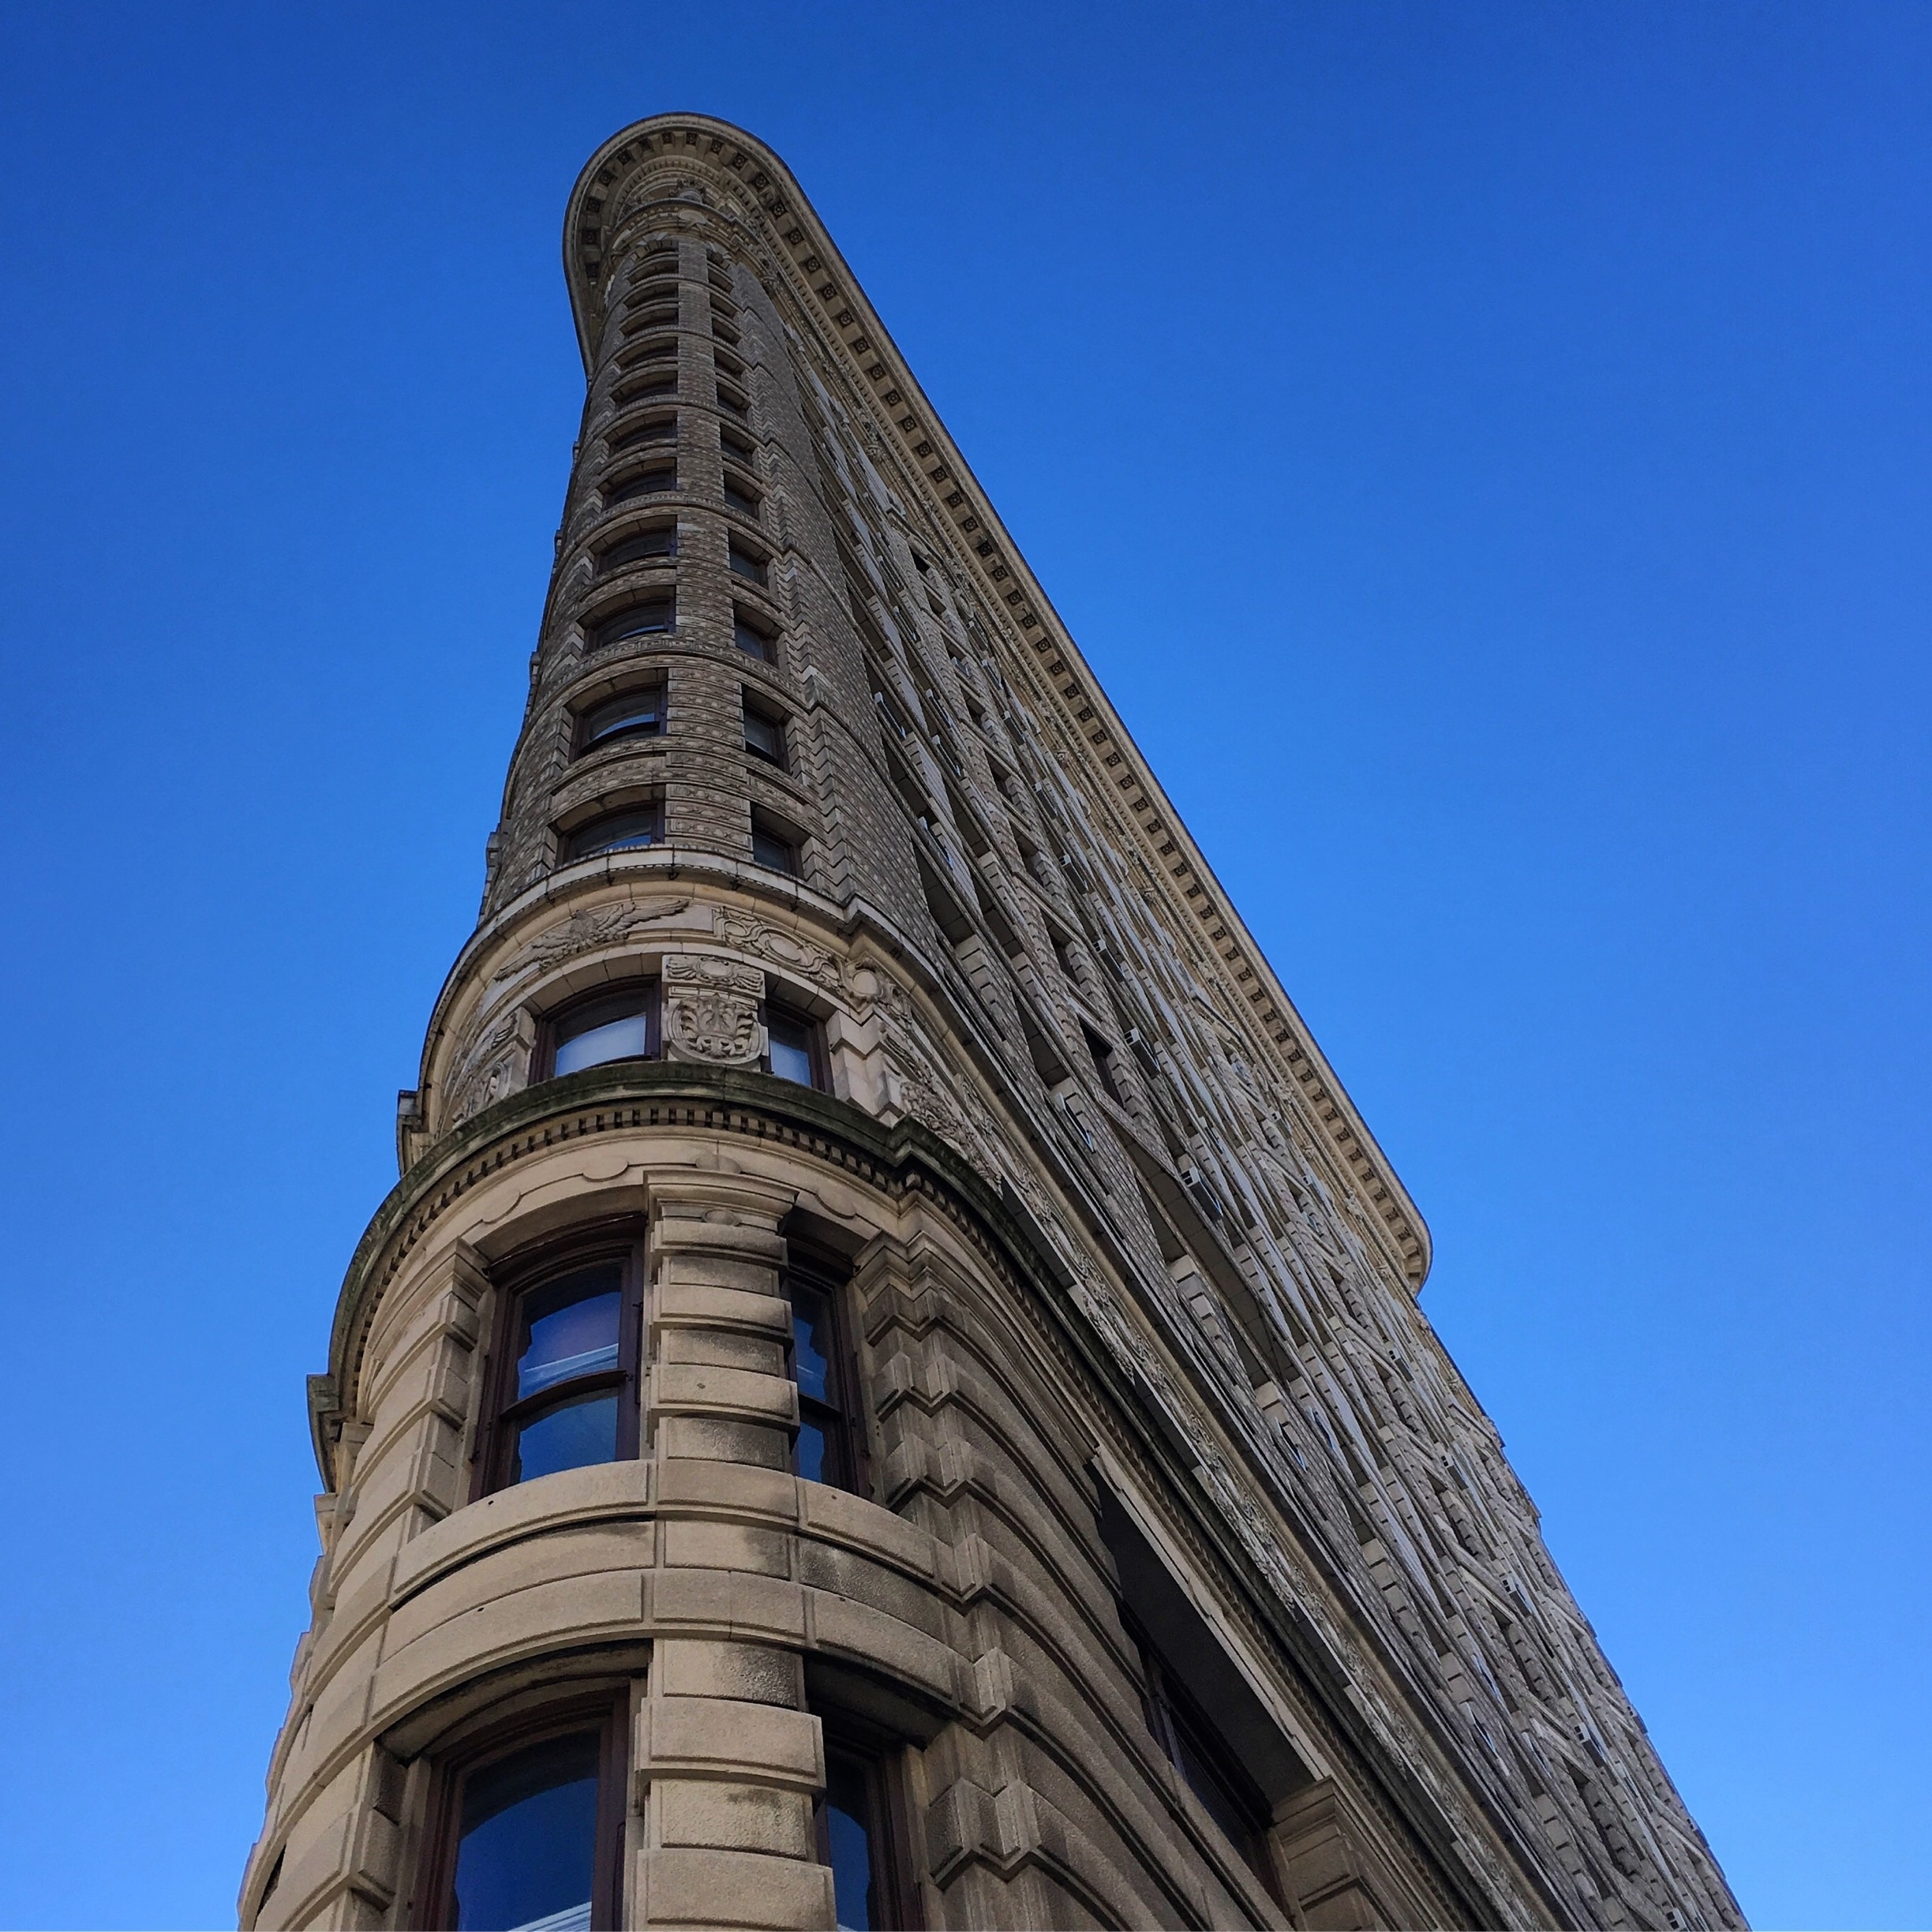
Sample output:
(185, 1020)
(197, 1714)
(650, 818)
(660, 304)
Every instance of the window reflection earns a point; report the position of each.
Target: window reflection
(571, 1332)
(848, 1830)
(526, 1857)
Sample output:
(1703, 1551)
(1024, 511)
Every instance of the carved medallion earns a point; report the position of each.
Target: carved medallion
(710, 1009)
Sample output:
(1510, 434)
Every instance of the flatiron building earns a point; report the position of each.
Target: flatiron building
(890, 1390)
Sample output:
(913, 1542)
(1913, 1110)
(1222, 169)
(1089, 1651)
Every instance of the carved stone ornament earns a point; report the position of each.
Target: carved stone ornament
(804, 958)
(586, 932)
(710, 1010)
(495, 1065)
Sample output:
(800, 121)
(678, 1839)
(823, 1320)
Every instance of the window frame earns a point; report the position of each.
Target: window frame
(607, 559)
(766, 826)
(621, 1238)
(602, 631)
(648, 986)
(848, 1439)
(816, 1041)
(651, 431)
(582, 742)
(879, 1757)
(1182, 1728)
(652, 480)
(567, 840)
(747, 621)
(608, 1714)
(755, 706)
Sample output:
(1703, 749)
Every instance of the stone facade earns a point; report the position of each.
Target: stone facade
(1139, 1384)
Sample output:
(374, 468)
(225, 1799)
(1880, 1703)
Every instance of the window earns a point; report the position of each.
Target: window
(831, 1442)
(653, 383)
(1104, 1064)
(863, 1830)
(618, 831)
(565, 1395)
(1237, 1762)
(638, 714)
(751, 637)
(1210, 1769)
(772, 847)
(611, 1026)
(795, 1048)
(747, 564)
(656, 545)
(640, 483)
(741, 497)
(724, 332)
(533, 1834)
(659, 429)
(736, 450)
(649, 617)
(764, 734)
(733, 404)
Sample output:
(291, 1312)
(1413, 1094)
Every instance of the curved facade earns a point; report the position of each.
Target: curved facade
(890, 1391)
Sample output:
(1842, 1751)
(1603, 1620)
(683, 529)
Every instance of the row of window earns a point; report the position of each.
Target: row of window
(569, 1330)
(529, 1825)
(657, 543)
(640, 713)
(635, 827)
(740, 493)
(623, 1025)
(654, 614)
(650, 369)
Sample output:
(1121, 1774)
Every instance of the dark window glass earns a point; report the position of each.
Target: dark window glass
(648, 618)
(773, 851)
(792, 1053)
(733, 404)
(624, 831)
(724, 332)
(1102, 1061)
(1196, 1748)
(618, 1026)
(751, 639)
(527, 1852)
(664, 429)
(643, 483)
(653, 384)
(646, 547)
(829, 1449)
(745, 565)
(740, 496)
(764, 736)
(850, 1851)
(738, 452)
(637, 713)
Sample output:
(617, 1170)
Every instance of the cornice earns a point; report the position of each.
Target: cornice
(819, 277)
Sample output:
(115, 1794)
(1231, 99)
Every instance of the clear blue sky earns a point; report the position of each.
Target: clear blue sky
(1482, 450)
